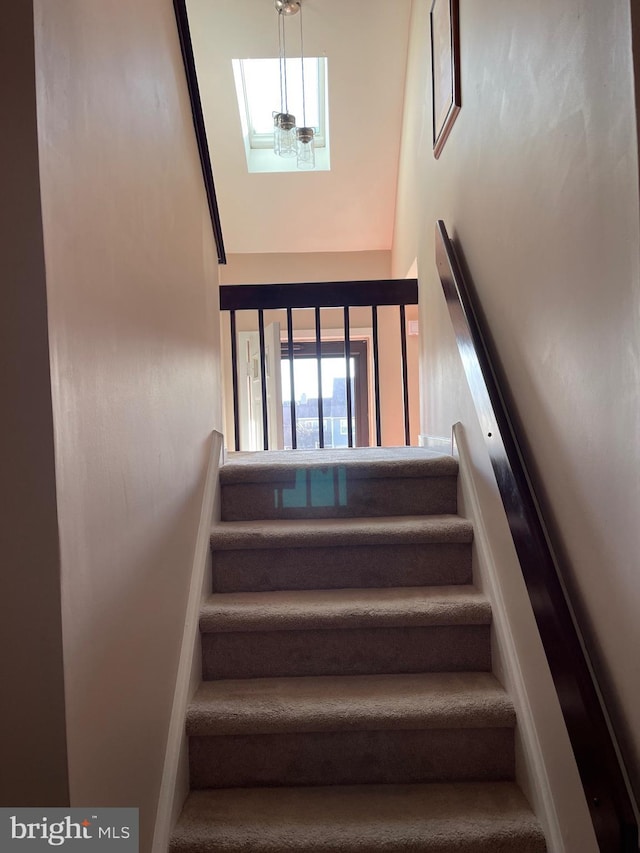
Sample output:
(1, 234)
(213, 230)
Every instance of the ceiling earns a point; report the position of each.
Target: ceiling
(351, 207)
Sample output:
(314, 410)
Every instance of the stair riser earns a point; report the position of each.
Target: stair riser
(354, 567)
(345, 758)
(503, 841)
(361, 651)
(353, 498)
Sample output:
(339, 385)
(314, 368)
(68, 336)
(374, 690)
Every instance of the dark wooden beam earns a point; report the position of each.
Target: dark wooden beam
(182, 20)
(334, 294)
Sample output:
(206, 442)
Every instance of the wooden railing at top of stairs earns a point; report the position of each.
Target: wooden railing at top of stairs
(600, 769)
(317, 295)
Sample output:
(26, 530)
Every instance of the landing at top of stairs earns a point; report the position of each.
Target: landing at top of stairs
(349, 482)
(364, 462)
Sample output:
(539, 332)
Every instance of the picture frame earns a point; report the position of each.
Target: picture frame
(445, 69)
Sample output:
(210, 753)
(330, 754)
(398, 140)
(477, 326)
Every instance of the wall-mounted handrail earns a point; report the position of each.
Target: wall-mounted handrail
(184, 33)
(318, 295)
(592, 741)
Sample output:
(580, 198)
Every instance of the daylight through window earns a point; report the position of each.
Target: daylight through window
(258, 91)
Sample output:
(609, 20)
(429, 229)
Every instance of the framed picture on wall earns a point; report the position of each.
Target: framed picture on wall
(445, 69)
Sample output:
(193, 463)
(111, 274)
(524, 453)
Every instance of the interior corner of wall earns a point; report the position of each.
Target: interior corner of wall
(412, 272)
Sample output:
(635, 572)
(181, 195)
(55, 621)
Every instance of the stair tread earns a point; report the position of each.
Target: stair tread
(489, 817)
(290, 610)
(339, 703)
(335, 532)
(360, 462)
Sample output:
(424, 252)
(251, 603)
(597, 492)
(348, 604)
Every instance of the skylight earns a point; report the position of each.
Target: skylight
(258, 92)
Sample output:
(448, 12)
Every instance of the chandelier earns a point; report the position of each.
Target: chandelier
(289, 139)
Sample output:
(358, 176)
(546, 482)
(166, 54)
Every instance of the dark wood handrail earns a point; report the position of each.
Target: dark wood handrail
(593, 745)
(182, 20)
(326, 294)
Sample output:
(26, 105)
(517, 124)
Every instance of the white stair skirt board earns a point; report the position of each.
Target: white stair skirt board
(436, 442)
(545, 767)
(175, 776)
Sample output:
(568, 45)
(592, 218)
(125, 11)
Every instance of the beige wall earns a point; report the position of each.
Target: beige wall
(333, 266)
(539, 184)
(305, 266)
(32, 722)
(131, 280)
(351, 207)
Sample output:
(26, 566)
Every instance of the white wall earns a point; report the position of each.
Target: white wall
(269, 268)
(351, 207)
(133, 324)
(538, 183)
(32, 719)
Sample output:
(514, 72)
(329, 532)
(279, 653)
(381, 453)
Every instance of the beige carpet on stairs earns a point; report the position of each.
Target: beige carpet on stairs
(347, 701)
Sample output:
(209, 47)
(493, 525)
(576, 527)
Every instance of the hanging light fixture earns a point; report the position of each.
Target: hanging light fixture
(284, 123)
(305, 148)
(288, 139)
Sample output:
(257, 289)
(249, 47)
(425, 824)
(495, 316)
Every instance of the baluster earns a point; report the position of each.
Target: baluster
(405, 380)
(292, 408)
(319, 361)
(347, 358)
(376, 372)
(234, 379)
(263, 380)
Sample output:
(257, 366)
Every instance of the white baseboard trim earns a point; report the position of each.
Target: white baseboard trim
(436, 442)
(486, 557)
(533, 775)
(175, 780)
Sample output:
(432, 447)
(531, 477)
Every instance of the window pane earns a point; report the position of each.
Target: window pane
(334, 398)
(262, 84)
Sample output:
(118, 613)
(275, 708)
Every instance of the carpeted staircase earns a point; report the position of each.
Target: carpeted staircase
(347, 701)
